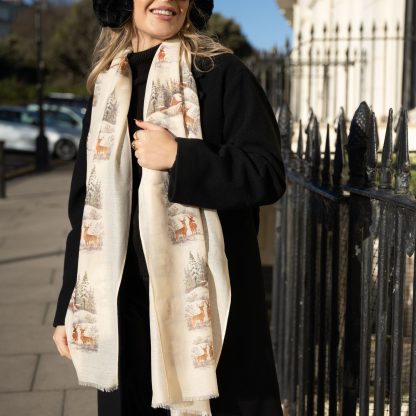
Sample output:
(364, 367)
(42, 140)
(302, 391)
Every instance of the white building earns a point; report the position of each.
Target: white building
(346, 51)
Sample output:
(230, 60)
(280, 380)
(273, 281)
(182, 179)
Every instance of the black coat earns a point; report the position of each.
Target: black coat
(235, 169)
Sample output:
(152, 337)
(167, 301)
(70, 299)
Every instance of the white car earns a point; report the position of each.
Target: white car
(59, 115)
(19, 130)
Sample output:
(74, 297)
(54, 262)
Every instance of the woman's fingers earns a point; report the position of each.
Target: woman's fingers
(61, 341)
(154, 149)
(145, 125)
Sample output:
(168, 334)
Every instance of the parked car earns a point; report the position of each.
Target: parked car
(19, 129)
(79, 103)
(60, 115)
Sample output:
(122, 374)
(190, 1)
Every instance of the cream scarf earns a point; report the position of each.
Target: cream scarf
(189, 290)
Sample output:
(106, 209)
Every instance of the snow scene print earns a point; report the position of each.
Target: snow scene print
(92, 230)
(175, 101)
(203, 352)
(184, 223)
(106, 137)
(198, 309)
(183, 226)
(92, 223)
(82, 304)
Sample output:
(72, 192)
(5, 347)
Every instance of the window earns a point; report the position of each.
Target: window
(9, 115)
(57, 117)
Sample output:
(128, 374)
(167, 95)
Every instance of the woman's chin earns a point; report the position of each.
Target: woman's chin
(165, 35)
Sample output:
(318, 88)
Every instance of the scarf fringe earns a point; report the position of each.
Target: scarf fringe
(194, 398)
(97, 386)
(187, 399)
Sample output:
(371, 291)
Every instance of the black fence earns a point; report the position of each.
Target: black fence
(270, 69)
(339, 64)
(343, 316)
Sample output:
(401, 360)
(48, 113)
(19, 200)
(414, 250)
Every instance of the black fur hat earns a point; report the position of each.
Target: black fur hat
(113, 13)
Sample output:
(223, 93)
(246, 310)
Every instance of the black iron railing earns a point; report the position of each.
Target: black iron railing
(343, 316)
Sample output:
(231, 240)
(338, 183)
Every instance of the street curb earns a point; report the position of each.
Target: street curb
(31, 169)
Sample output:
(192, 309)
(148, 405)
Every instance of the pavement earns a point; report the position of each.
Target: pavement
(35, 380)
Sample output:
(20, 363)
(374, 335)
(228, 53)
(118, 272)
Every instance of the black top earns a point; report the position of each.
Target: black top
(140, 63)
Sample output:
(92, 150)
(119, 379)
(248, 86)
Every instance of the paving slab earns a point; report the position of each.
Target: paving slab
(10, 294)
(81, 402)
(55, 373)
(26, 339)
(23, 314)
(43, 403)
(17, 372)
(10, 274)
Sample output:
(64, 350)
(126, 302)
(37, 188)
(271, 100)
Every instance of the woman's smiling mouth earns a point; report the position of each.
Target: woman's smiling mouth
(163, 12)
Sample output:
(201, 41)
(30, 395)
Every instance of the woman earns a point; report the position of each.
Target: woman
(183, 342)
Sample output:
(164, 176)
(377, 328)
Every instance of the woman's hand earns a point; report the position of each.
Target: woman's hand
(59, 336)
(156, 147)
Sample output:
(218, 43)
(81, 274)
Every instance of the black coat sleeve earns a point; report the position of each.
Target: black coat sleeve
(247, 169)
(75, 213)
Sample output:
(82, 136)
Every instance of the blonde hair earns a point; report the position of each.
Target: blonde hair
(112, 41)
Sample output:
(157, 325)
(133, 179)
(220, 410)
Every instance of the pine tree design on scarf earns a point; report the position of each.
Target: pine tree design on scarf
(105, 139)
(168, 100)
(82, 305)
(92, 225)
(197, 310)
(93, 195)
(111, 108)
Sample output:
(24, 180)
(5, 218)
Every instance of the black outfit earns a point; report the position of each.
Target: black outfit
(235, 169)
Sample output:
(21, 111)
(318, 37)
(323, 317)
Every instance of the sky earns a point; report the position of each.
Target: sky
(261, 21)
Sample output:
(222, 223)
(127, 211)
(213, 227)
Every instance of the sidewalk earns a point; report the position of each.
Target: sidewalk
(35, 380)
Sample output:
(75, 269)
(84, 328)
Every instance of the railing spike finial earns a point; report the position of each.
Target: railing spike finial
(308, 127)
(309, 145)
(339, 159)
(316, 149)
(360, 132)
(386, 160)
(299, 151)
(371, 157)
(285, 127)
(326, 168)
(397, 128)
(308, 132)
(402, 173)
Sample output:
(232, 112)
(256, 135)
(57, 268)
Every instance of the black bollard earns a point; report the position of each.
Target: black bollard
(2, 171)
